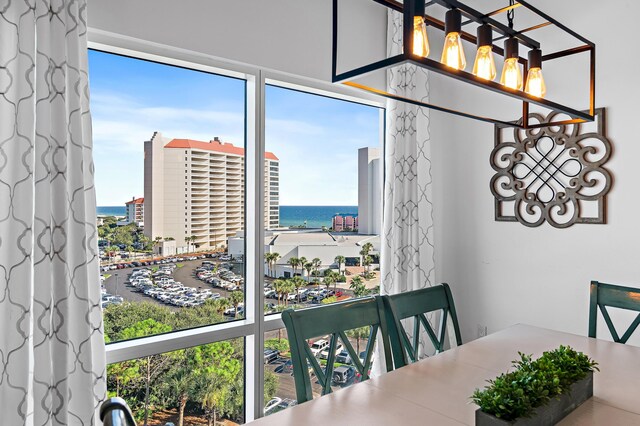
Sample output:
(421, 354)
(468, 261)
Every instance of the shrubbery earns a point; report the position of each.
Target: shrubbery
(205, 380)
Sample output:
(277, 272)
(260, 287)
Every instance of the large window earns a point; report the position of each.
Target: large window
(169, 166)
(182, 145)
(323, 247)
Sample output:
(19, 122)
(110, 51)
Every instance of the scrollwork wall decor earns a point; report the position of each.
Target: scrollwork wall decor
(554, 174)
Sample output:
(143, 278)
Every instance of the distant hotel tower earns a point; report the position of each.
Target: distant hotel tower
(369, 191)
(344, 223)
(135, 211)
(194, 188)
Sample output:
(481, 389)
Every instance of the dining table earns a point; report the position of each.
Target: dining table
(436, 390)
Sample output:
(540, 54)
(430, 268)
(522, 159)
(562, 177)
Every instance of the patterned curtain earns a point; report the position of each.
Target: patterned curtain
(52, 358)
(407, 261)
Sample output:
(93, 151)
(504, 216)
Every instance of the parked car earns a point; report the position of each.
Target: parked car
(270, 355)
(282, 405)
(343, 375)
(318, 346)
(324, 354)
(271, 404)
(343, 357)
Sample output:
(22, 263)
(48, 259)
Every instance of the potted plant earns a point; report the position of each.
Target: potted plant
(537, 392)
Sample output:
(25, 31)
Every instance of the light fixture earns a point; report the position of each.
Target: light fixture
(511, 74)
(484, 65)
(420, 39)
(491, 28)
(453, 53)
(535, 82)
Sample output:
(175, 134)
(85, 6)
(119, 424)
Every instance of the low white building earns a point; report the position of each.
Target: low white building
(310, 244)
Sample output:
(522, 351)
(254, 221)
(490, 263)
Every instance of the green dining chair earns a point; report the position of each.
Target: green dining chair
(334, 320)
(603, 295)
(416, 304)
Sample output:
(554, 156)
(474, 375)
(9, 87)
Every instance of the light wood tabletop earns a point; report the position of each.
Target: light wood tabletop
(436, 390)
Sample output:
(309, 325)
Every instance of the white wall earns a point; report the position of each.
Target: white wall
(286, 35)
(506, 273)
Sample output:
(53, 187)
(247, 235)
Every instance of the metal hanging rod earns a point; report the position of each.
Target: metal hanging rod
(526, 30)
(495, 12)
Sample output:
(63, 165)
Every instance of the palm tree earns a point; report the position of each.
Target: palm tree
(279, 288)
(367, 247)
(309, 267)
(368, 260)
(267, 260)
(303, 261)
(340, 260)
(359, 334)
(294, 262)
(316, 265)
(298, 283)
(236, 298)
(271, 259)
(288, 287)
(328, 280)
(221, 304)
(359, 289)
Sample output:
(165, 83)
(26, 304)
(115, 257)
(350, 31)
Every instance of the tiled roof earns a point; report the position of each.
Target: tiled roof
(135, 201)
(217, 146)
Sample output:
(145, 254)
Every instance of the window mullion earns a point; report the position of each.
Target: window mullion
(254, 248)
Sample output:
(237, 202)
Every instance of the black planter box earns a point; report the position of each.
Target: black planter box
(551, 413)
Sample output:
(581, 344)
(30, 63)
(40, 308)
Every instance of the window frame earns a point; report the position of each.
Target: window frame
(256, 323)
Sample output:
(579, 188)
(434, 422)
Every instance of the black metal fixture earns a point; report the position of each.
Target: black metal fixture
(453, 63)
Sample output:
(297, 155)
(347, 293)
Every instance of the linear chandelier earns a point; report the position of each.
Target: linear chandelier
(521, 78)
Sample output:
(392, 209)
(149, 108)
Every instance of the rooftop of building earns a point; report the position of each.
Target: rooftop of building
(135, 201)
(215, 145)
(320, 239)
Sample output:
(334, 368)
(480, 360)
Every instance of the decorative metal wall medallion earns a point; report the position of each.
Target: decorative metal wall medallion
(554, 174)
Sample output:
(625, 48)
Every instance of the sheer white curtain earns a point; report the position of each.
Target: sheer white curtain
(407, 252)
(52, 358)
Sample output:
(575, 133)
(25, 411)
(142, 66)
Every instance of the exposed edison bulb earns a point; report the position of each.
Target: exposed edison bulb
(420, 40)
(535, 83)
(453, 54)
(511, 75)
(484, 65)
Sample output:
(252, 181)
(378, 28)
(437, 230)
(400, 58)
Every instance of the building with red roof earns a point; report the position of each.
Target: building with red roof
(135, 211)
(194, 191)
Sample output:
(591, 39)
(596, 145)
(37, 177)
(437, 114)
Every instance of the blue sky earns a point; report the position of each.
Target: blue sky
(316, 138)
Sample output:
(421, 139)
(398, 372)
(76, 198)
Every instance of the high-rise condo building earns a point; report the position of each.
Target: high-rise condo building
(135, 211)
(196, 189)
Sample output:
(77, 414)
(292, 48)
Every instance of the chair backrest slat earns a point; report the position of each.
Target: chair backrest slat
(333, 320)
(604, 295)
(415, 304)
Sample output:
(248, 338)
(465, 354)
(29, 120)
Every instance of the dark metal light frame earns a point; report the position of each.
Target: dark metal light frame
(408, 10)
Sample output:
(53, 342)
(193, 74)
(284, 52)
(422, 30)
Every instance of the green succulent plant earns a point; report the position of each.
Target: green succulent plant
(533, 383)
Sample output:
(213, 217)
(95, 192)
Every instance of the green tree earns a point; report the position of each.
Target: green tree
(150, 367)
(297, 283)
(359, 334)
(358, 287)
(221, 304)
(303, 261)
(316, 265)
(308, 267)
(271, 259)
(236, 298)
(294, 262)
(367, 261)
(340, 260)
(278, 344)
(328, 280)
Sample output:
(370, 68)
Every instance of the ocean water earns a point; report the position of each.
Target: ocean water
(315, 216)
(112, 211)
